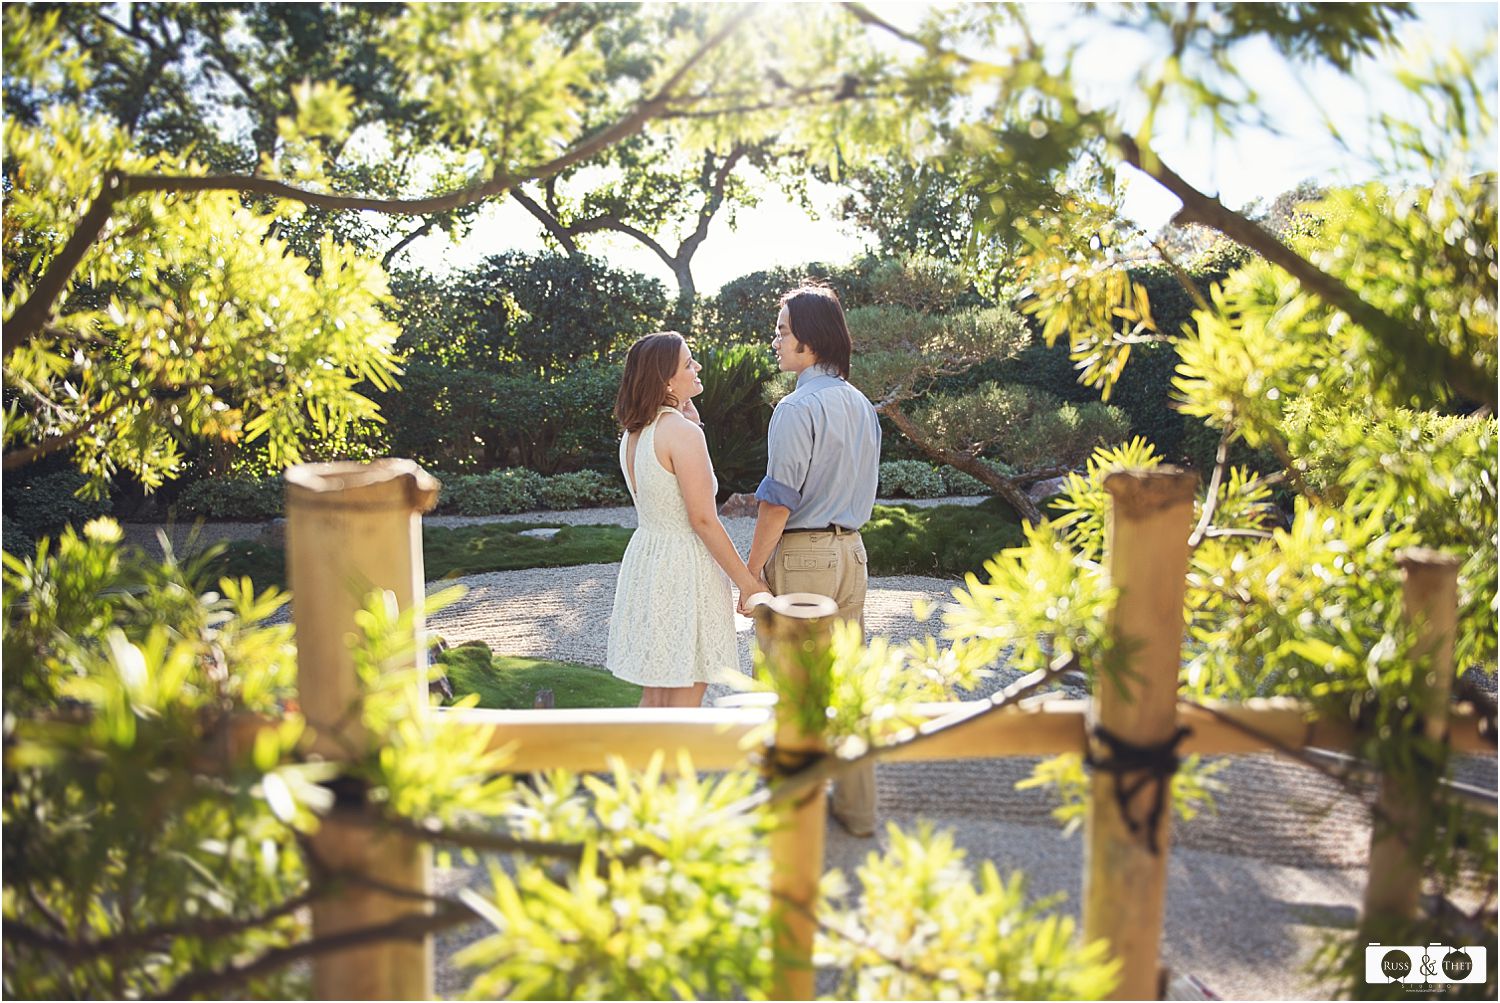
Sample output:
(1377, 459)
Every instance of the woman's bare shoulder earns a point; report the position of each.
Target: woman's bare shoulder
(677, 426)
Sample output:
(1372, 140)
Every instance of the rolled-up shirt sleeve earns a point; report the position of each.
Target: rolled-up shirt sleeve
(789, 444)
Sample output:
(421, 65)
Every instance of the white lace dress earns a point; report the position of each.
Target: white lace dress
(673, 619)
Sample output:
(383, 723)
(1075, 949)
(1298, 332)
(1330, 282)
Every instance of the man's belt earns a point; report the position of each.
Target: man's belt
(835, 530)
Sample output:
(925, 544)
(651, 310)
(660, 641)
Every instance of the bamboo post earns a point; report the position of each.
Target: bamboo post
(353, 528)
(793, 631)
(1125, 875)
(1430, 604)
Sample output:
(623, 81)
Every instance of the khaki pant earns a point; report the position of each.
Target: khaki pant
(833, 565)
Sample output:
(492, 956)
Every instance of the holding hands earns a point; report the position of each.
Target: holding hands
(758, 592)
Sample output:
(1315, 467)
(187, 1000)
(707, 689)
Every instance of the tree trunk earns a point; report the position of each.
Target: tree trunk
(687, 295)
(1008, 488)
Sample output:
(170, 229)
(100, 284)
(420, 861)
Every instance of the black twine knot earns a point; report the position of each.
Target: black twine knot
(1155, 764)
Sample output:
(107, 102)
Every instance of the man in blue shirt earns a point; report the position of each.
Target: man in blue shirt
(822, 471)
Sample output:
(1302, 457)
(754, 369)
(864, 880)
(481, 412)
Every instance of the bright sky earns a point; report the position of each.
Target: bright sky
(1254, 164)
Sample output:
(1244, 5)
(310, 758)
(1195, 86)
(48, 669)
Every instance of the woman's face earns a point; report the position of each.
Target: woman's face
(684, 383)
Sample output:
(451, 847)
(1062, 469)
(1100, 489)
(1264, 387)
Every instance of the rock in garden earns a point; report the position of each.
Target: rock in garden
(1042, 490)
(541, 534)
(739, 506)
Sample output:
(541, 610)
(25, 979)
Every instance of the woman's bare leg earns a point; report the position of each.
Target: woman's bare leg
(673, 696)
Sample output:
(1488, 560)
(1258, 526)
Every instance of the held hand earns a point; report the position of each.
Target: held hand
(748, 601)
(690, 412)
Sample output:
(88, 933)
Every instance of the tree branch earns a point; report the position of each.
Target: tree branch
(1005, 487)
(554, 226)
(17, 458)
(634, 232)
(404, 242)
(1183, 279)
(124, 943)
(415, 926)
(1211, 502)
(1210, 212)
(713, 203)
(29, 317)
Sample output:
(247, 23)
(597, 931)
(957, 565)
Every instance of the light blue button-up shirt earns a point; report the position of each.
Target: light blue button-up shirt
(824, 453)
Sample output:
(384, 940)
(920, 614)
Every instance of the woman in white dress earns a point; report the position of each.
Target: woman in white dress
(672, 629)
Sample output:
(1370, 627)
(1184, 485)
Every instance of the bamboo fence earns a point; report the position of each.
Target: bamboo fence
(356, 527)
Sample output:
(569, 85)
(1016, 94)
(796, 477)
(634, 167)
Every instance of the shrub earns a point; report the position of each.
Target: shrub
(527, 313)
(233, 498)
(960, 483)
(744, 310)
(910, 479)
(582, 489)
(946, 541)
(42, 504)
(499, 492)
(457, 419)
(735, 413)
(14, 539)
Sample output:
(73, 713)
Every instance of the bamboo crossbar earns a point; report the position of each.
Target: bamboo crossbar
(719, 738)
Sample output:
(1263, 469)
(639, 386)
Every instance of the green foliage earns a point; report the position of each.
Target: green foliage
(1084, 506)
(1027, 428)
(1193, 787)
(42, 504)
(504, 492)
(911, 479)
(1433, 472)
(506, 683)
(582, 489)
(946, 541)
(460, 420)
(494, 79)
(245, 498)
(522, 313)
(921, 209)
(960, 483)
(203, 325)
(743, 311)
(1427, 254)
(1143, 390)
(691, 920)
(925, 930)
(198, 855)
(735, 412)
(496, 493)
(462, 550)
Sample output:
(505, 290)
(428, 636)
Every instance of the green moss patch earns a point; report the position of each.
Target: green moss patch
(462, 550)
(945, 541)
(506, 683)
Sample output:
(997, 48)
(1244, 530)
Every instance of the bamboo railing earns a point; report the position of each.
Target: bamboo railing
(356, 527)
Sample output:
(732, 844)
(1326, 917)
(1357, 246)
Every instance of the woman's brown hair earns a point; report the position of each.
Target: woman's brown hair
(650, 363)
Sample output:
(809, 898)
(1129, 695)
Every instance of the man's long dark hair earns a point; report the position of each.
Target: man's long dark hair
(817, 319)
